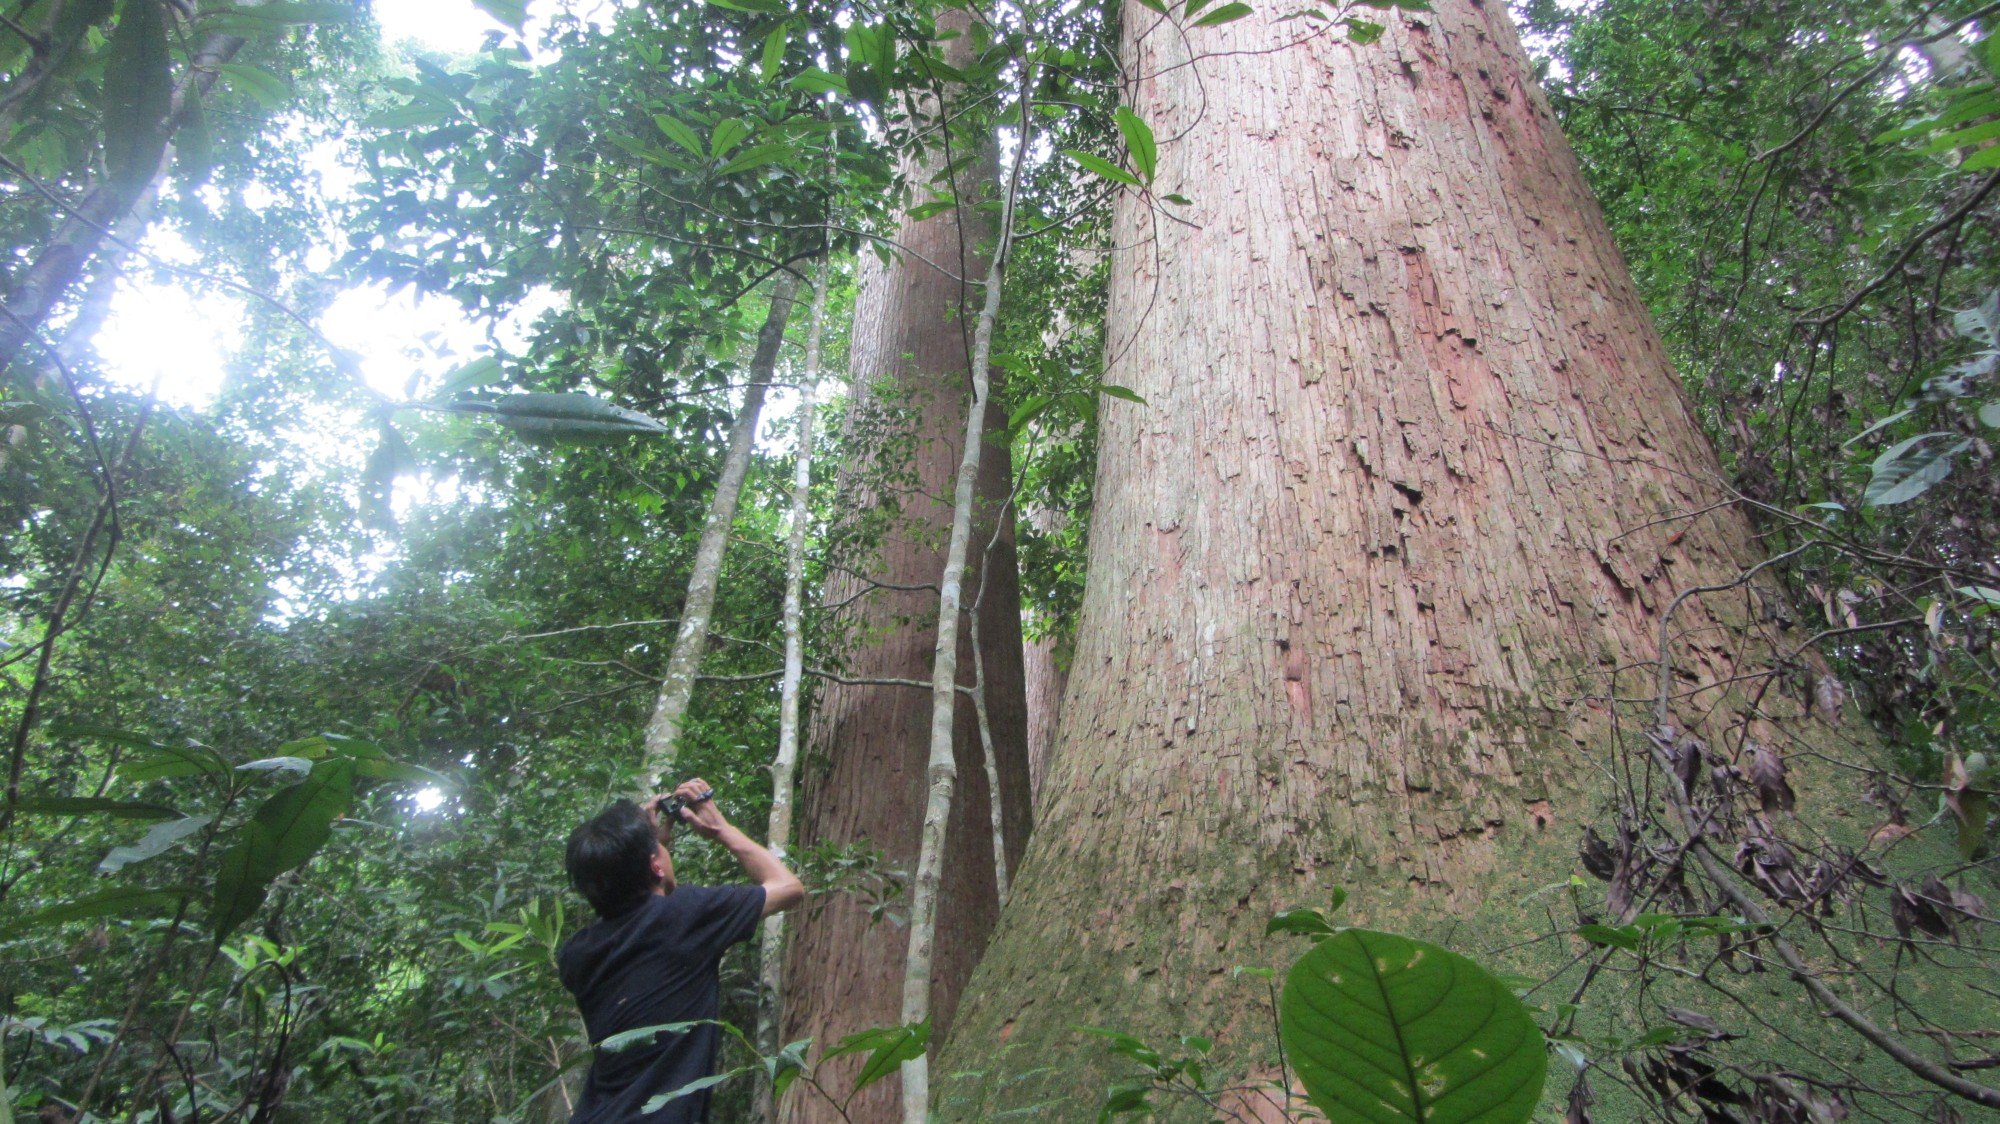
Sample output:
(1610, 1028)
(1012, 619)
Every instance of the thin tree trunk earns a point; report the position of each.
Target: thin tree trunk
(989, 759)
(771, 950)
(942, 773)
(908, 373)
(1393, 508)
(670, 708)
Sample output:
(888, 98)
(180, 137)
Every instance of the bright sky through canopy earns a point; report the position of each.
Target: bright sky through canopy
(161, 334)
(454, 26)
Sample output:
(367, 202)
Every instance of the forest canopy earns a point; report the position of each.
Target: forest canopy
(1116, 493)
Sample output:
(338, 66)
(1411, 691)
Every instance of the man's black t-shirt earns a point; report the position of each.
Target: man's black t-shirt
(654, 964)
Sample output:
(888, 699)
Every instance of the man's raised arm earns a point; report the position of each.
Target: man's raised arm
(782, 888)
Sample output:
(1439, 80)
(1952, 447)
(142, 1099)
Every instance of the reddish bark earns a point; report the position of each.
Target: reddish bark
(864, 773)
(1391, 509)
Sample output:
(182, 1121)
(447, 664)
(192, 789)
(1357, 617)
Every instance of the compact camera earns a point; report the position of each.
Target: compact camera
(670, 807)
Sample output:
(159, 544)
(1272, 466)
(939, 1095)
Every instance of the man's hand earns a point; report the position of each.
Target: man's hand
(782, 889)
(698, 809)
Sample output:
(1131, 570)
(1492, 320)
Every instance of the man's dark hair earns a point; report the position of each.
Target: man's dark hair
(610, 858)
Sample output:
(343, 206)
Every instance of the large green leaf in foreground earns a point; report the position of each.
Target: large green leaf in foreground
(1390, 1030)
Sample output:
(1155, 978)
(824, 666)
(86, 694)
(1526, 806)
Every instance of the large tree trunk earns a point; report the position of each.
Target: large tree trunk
(1391, 508)
(863, 781)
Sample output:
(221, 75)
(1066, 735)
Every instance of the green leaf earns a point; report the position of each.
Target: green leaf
(1126, 1097)
(640, 1036)
(1984, 593)
(138, 92)
(1963, 138)
(1129, 395)
(1989, 414)
(729, 132)
(1388, 1029)
(278, 15)
(194, 149)
(1102, 167)
(679, 133)
(1910, 468)
(241, 881)
(298, 819)
(786, 1065)
(1625, 936)
(110, 903)
(1362, 32)
(483, 371)
(757, 156)
(1306, 922)
(1030, 408)
(513, 13)
(260, 85)
(813, 80)
(1228, 13)
(90, 806)
(283, 833)
(888, 1046)
(762, 7)
(1975, 103)
(564, 417)
(155, 843)
(1138, 141)
(692, 1087)
(162, 761)
(425, 110)
(298, 766)
(774, 52)
(1880, 425)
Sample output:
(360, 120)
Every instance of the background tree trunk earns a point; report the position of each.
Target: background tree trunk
(1047, 672)
(1390, 514)
(863, 781)
(784, 766)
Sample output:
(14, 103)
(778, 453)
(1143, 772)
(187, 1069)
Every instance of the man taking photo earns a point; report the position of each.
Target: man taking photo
(653, 955)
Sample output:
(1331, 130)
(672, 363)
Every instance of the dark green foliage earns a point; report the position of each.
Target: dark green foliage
(138, 86)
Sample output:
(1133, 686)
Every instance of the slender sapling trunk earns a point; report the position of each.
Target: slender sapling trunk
(942, 772)
(770, 973)
(670, 709)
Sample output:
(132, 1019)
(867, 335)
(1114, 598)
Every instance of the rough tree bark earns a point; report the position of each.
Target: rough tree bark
(941, 774)
(1046, 670)
(1392, 510)
(677, 688)
(863, 778)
